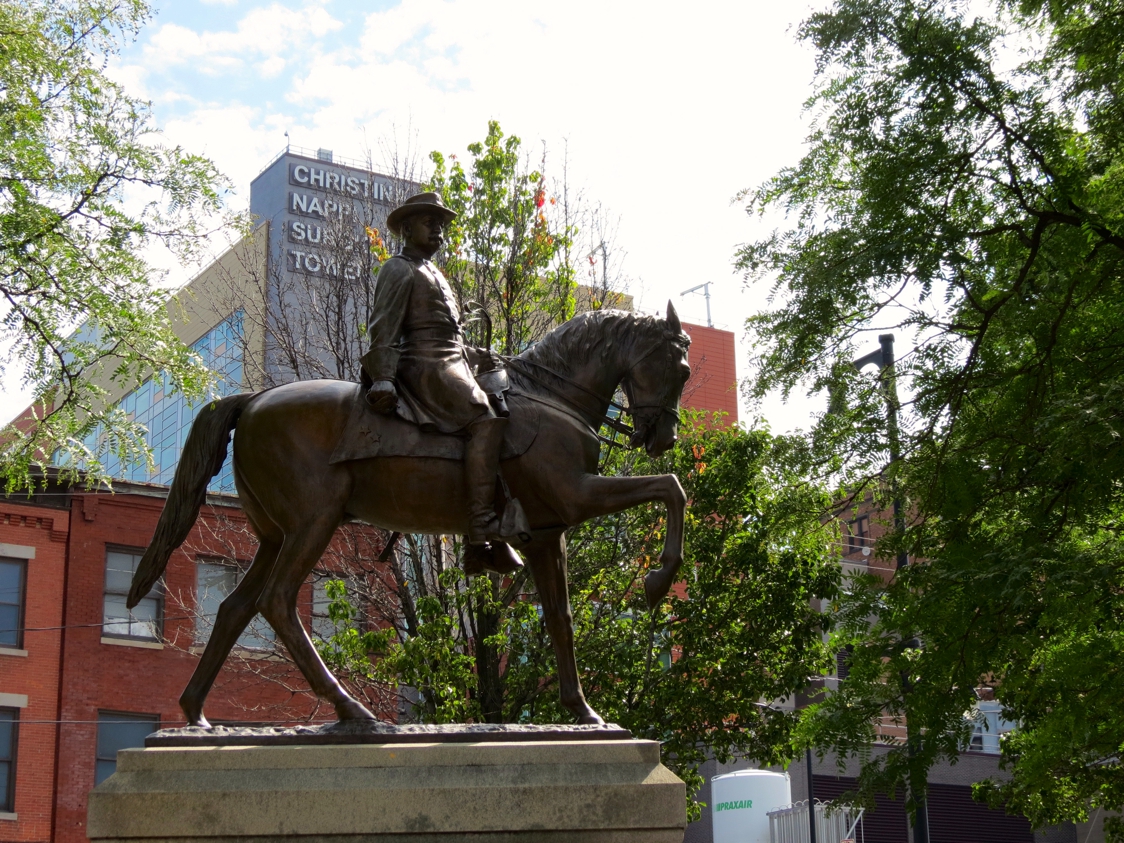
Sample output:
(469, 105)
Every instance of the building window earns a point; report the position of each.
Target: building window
(146, 619)
(214, 581)
(9, 737)
(858, 534)
(13, 589)
(118, 730)
(988, 727)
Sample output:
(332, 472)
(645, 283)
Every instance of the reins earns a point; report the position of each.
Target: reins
(604, 418)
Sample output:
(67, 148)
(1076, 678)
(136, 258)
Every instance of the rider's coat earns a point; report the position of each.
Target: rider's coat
(416, 342)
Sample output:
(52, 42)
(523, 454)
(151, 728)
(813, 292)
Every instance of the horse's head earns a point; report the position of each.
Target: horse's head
(654, 384)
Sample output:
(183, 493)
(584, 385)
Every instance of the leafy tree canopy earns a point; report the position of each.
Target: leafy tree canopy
(85, 187)
(509, 249)
(964, 182)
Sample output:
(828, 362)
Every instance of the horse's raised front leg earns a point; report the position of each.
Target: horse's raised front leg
(547, 557)
(594, 496)
(278, 604)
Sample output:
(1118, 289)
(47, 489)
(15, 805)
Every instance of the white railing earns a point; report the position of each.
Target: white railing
(834, 823)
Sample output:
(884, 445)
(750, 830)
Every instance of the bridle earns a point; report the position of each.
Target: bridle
(646, 416)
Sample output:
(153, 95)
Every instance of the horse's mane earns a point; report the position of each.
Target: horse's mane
(598, 332)
(574, 342)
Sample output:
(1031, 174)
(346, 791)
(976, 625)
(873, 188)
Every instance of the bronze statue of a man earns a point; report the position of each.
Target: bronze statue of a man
(420, 367)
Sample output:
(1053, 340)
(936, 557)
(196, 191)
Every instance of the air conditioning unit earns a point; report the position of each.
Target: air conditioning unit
(324, 155)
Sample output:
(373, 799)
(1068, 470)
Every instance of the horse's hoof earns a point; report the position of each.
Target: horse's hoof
(194, 715)
(656, 585)
(592, 718)
(353, 710)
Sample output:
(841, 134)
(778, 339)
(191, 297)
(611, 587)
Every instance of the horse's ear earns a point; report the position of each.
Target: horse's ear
(673, 319)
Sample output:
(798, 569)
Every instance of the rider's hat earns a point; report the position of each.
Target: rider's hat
(428, 202)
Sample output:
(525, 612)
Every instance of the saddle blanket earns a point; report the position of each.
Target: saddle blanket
(369, 434)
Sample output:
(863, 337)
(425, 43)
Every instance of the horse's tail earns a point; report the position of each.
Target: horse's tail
(202, 458)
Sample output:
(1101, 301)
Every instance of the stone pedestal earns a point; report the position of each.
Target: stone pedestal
(552, 791)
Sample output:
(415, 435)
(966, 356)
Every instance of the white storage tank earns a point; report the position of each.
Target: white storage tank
(740, 803)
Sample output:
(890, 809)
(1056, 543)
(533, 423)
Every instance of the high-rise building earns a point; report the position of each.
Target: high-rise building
(317, 207)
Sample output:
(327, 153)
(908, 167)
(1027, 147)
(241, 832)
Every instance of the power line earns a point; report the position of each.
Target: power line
(89, 625)
(175, 724)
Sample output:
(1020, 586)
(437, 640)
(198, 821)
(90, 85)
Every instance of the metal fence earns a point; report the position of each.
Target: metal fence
(834, 823)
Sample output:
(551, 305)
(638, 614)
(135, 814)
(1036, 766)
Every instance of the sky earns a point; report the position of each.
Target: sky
(664, 111)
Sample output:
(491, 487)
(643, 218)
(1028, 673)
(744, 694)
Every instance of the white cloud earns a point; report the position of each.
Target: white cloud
(267, 31)
(271, 67)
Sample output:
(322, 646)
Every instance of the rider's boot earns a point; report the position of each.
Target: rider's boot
(481, 464)
(485, 551)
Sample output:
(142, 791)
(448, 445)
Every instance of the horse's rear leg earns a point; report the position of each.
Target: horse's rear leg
(547, 557)
(278, 603)
(234, 613)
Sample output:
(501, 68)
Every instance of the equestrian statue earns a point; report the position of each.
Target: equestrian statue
(439, 438)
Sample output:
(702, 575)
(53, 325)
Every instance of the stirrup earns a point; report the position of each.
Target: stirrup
(495, 557)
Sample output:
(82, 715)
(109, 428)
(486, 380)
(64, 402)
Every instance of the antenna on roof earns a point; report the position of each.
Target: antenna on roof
(286, 140)
(706, 294)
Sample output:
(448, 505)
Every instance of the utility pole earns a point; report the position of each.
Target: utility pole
(811, 800)
(705, 287)
(883, 358)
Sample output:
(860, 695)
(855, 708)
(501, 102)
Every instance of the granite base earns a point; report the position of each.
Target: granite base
(553, 791)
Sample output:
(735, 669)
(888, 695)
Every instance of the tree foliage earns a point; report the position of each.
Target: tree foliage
(85, 187)
(509, 248)
(964, 181)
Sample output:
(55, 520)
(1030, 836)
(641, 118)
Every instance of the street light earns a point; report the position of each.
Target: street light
(883, 358)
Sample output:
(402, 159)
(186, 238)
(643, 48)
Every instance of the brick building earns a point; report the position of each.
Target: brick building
(714, 378)
(33, 545)
(81, 678)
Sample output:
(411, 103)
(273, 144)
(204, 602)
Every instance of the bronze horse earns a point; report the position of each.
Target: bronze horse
(295, 498)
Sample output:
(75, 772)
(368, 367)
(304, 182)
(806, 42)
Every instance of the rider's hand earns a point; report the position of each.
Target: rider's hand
(483, 359)
(382, 396)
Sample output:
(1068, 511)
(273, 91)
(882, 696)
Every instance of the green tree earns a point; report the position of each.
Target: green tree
(85, 188)
(964, 181)
(508, 251)
(708, 673)
(506, 255)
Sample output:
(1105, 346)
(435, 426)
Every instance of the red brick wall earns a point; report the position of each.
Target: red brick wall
(36, 675)
(714, 380)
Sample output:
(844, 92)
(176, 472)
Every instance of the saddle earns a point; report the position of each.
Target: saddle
(368, 434)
